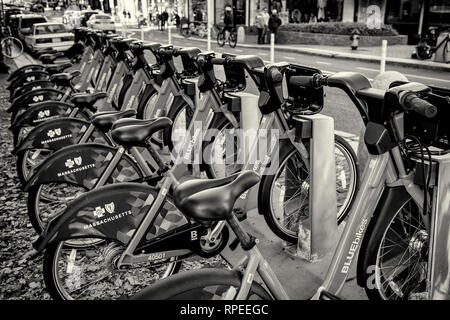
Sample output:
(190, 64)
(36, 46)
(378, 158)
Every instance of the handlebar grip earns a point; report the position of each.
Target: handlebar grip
(410, 101)
(275, 75)
(302, 81)
(167, 52)
(219, 61)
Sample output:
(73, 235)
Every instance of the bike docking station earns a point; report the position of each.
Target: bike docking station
(318, 232)
(440, 227)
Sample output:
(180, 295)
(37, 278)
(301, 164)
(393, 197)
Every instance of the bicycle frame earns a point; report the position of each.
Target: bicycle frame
(209, 103)
(167, 92)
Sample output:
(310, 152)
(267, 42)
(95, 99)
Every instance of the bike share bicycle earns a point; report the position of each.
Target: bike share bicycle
(395, 218)
(48, 190)
(151, 228)
(45, 132)
(283, 196)
(148, 227)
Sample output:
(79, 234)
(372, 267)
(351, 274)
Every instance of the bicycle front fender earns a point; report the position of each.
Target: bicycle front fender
(39, 95)
(54, 134)
(40, 113)
(392, 199)
(111, 212)
(82, 165)
(27, 77)
(34, 85)
(23, 70)
(182, 285)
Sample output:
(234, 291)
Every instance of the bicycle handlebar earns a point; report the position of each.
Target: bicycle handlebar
(218, 61)
(410, 101)
(315, 81)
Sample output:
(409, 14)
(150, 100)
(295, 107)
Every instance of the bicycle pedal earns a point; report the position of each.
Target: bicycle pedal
(240, 214)
(325, 295)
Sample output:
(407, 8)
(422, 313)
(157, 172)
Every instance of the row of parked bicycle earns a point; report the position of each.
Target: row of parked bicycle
(117, 214)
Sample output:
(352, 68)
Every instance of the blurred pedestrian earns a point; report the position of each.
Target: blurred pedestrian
(164, 18)
(266, 18)
(313, 18)
(274, 22)
(260, 26)
(228, 20)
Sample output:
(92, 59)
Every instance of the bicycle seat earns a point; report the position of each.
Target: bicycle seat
(212, 199)
(46, 51)
(57, 68)
(48, 58)
(104, 120)
(137, 134)
(126, 122)
(189, 52)
(63, 79)
(152, 46)
(87, 100)
(249, 61)
(111, 35)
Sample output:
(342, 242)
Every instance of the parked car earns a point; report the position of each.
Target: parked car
(26, 22)
(101, 22)
(85, 15)
(10, 12)
(13, 23)
(49, 35)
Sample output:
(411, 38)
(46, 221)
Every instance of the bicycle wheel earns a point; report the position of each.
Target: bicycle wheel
(181, 117)
(221, 39)
(232, 39)
(219, 162)
(203, 284)
(284, 196)
(395, 253)
(11, 47)
(90, 271)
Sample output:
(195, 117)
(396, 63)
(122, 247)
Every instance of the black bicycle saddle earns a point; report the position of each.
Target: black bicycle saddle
(104, 120)
(48, 58)
(212, 199)
(64, 78)
(136, 135)
(57, 68)
(87, 100)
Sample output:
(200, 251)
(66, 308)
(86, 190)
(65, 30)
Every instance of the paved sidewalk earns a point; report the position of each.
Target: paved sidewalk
(396, 55)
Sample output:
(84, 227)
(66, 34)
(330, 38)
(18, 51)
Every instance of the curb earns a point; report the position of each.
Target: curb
(373, 59)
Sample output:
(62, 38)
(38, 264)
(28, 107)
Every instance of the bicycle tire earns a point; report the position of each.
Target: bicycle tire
(266, 186)
(221, 39)
(203, 284)
(370, 274)
(174, 114)
(232, 39)
(53, 283)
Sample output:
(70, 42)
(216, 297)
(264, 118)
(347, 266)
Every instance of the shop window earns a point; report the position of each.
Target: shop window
(305, 11)
(439, 13)
(402, 11)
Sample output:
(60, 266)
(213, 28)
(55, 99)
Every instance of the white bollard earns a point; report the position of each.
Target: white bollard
(209, 38)
(383, 56)
(169, 31)
(142, 34)
(272, 48)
